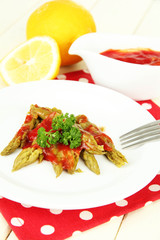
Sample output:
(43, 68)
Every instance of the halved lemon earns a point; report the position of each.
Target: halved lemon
(36, 59)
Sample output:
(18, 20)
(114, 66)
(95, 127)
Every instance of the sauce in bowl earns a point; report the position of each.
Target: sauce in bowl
(137, 56)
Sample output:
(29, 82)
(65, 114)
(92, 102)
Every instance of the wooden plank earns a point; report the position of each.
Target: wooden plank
(149, 26)
(141, 224)
(105, 231)
(156, 101)
(12, 236)
(12, 11)
(13, 37)
(119, 16)
(4, 228)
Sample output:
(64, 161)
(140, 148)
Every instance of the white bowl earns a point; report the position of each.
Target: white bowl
(137, 81)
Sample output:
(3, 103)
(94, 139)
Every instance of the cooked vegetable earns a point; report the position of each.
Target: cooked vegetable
(12, 146)
(30, 123)
(63, 131)
(57, 168)
(19, 139)
(40, 112)
(91, 145)
(48, 134)
(64, 155)
(26, 157)
(90, 161)
(116, 157)
(103, 140)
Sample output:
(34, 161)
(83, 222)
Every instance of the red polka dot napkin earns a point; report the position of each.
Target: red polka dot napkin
(31, 223)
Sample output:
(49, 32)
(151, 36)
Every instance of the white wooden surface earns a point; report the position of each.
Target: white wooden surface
(141, 17)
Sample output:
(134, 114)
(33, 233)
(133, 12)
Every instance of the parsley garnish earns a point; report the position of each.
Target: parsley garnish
(63, 131)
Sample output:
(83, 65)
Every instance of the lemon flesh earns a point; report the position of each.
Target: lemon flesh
(36, 59)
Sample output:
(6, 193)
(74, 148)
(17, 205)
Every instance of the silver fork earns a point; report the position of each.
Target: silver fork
(140, 135)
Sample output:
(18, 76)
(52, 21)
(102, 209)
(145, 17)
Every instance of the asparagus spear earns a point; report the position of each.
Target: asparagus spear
(99, 136)
(75, 158)
(57, 168)
(90, 161)
(91, 145)
(36, 114)
(12, 146)
(20, 137)
(116, 157)
(62, 158)
(26, 157)
(40, 112)
(112, 154)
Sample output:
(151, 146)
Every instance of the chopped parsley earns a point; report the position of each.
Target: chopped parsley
(63, 131)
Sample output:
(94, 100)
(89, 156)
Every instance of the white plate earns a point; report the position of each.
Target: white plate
(37, 185)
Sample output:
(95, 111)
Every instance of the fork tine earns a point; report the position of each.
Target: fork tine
(141, 132)
(154, 125)
(139, 136)
(151, 138)
(145, 133)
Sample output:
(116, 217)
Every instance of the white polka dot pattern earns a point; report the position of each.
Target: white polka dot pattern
(147, 106)
(76, 233)
(17, 222)
(122, 203)
(148, 203)
(85, 70)
(154, 187)
(56, 211)
(83, 80)
(61, 77)
(86, 215)
(26, 206)
(47, 229)
(114, 217)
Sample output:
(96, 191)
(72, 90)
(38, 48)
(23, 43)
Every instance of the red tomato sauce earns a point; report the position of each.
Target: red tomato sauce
(61, 153)
(56, 153)
(22, 130)
(28, 118)
(25, 127)
(46, 124)
(100, 137)
(137, 56)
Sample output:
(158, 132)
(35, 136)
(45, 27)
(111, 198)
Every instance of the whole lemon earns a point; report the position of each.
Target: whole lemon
(64, 21)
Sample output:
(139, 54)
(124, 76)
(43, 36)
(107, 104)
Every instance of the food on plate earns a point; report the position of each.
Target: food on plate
(26, 157)
(138, 56)
(64, 21)
(36, 59)
(48, 134)
(90, 161)
(103, 140)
